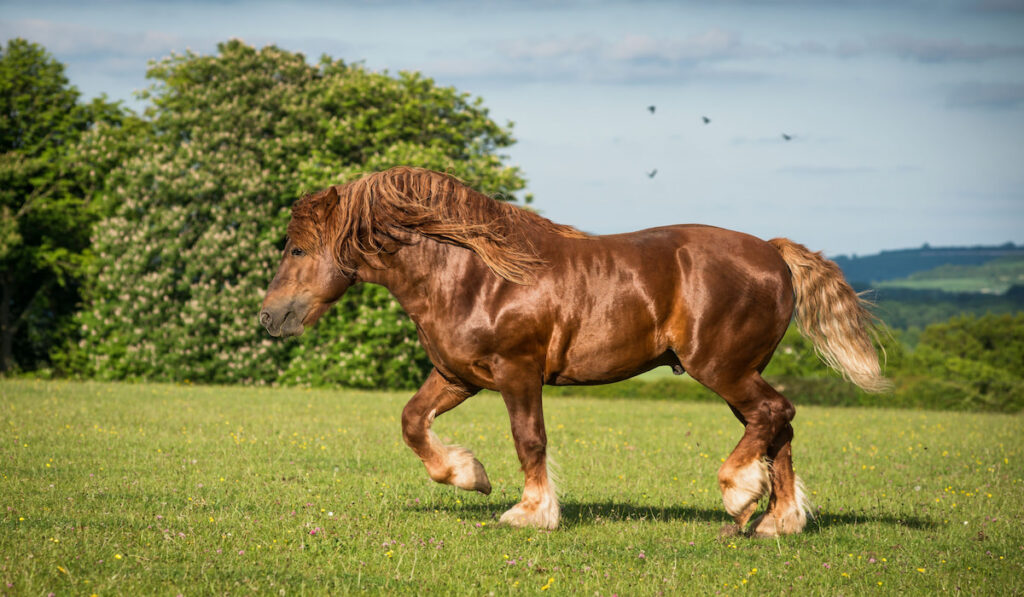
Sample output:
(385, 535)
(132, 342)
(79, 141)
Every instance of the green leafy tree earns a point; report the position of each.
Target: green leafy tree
(183, 261)
(46, 200)
(995, 340)
(967, 362)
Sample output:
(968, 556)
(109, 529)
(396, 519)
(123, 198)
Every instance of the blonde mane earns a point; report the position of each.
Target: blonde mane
(362, 219)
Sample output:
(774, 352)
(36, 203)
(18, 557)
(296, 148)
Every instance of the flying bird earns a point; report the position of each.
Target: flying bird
(787, 137)
(652, 173)
(651, 108)
(706, 119)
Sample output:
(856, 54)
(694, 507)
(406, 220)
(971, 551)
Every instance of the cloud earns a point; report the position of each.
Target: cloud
(926, 50)
(948, 6)
(905, 47)
(997, 6)
(82, 41)
(714, 44)
(989, 96)
(828, 170)
(942, 50)
(549, 49)
(628, 58)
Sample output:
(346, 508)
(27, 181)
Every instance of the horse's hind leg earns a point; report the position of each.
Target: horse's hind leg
(746, 476)
(453, 465)
(788, 505)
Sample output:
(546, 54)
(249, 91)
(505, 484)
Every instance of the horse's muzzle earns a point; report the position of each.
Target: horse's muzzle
(281, 325)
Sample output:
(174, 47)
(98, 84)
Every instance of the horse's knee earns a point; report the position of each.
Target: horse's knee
(786, 410)
(775, 414)
(415, 424)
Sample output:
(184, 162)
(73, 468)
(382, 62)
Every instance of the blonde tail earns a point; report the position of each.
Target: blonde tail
(832, 316)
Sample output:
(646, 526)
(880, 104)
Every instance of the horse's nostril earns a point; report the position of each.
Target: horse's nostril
(264, 318)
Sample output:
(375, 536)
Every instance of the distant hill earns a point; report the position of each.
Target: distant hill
(901, 263)
(918, 307)
(992, 277)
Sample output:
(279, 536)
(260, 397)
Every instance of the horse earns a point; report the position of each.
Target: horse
(505, 299)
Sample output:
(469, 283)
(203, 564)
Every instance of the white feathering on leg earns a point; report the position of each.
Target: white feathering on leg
(539, 506)
(803, 503)
(554, 473)
(749, 484)
(790, 521)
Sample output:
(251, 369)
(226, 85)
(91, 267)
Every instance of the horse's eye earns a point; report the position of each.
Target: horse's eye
(298, 252)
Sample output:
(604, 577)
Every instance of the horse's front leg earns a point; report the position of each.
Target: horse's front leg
(539, 506)
(453, 465)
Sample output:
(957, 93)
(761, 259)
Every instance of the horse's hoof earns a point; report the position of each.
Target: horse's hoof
(731, 530)
(763, 527)
(775, 524)
(540, 517)
(467, 472)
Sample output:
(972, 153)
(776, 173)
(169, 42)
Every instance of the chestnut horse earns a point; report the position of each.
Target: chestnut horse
(506, 300)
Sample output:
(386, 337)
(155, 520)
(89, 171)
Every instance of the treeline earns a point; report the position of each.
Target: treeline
(138, 246)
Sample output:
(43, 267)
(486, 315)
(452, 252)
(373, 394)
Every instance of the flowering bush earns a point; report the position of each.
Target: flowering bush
(199, 215)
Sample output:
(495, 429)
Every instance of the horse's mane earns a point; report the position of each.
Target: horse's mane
(362, 218)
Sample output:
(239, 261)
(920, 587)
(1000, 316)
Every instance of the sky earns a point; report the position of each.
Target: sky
(906, 117)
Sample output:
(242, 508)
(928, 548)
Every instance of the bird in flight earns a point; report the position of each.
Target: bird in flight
(706, 119)
(651, 108)
(787, 137)
(652, 173)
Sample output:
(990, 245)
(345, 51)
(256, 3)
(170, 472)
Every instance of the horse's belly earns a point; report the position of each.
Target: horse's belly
(617, 356)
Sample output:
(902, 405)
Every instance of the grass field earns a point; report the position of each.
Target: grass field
(164, 490)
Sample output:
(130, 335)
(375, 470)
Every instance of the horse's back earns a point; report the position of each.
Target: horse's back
(728, 260)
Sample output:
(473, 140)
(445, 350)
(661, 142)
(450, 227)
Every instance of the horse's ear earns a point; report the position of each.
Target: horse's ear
(332, 192)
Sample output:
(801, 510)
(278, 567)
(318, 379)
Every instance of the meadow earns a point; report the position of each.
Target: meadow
(126, 489)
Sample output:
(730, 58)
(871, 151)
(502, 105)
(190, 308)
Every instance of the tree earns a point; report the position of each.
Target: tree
(46, 196)
(183, 261)
(995, 340)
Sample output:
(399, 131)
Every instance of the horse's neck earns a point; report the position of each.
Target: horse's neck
(425, 274)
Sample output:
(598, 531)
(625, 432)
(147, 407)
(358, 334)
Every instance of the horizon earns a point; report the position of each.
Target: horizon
(905, 121)
(1008, 245)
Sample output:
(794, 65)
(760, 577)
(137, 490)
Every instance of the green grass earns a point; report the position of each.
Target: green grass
(165, 490)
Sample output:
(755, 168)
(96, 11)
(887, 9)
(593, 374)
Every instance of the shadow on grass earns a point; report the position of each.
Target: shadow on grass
(579, 514)
(827, 520)
(587, 513)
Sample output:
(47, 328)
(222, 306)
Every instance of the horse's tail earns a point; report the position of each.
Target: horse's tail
(831, 314)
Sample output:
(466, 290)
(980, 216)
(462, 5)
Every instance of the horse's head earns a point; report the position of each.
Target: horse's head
(306, 285)
(308, 280)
